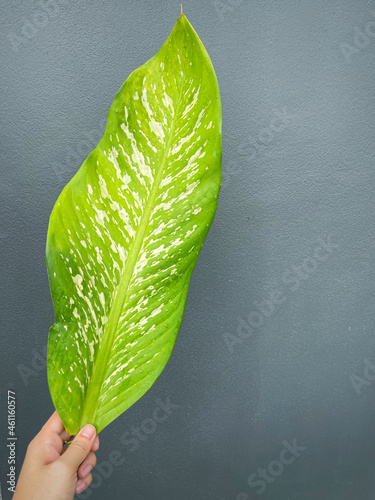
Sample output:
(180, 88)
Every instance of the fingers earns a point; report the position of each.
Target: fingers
(47, 444)
(87, 465)
(53, 425)
(65, 436)
(95, 445)
(51, 437)
(80, 447)
(82, 484)
(84, 470)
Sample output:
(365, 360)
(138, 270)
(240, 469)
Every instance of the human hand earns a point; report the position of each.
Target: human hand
(50, 471)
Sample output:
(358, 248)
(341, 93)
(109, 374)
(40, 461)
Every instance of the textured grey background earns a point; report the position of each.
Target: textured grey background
(286, 185)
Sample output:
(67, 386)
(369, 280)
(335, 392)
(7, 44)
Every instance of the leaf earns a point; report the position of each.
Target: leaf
(126, 231)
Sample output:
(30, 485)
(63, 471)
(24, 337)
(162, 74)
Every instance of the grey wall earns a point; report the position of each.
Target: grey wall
(246, 384)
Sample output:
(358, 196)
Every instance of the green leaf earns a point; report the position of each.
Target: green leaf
(126, 231)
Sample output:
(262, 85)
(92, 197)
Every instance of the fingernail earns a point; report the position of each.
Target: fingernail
(86, 470)
(80, 486)
(95, 446)
(88, 431)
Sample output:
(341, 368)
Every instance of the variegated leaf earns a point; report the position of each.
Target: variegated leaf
(126, 231)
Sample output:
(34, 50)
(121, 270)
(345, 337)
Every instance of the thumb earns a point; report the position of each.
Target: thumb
(80, 447)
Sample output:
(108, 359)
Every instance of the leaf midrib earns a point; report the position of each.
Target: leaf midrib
(100, 364)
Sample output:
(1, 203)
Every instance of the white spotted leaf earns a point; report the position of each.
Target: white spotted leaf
(126, 231)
